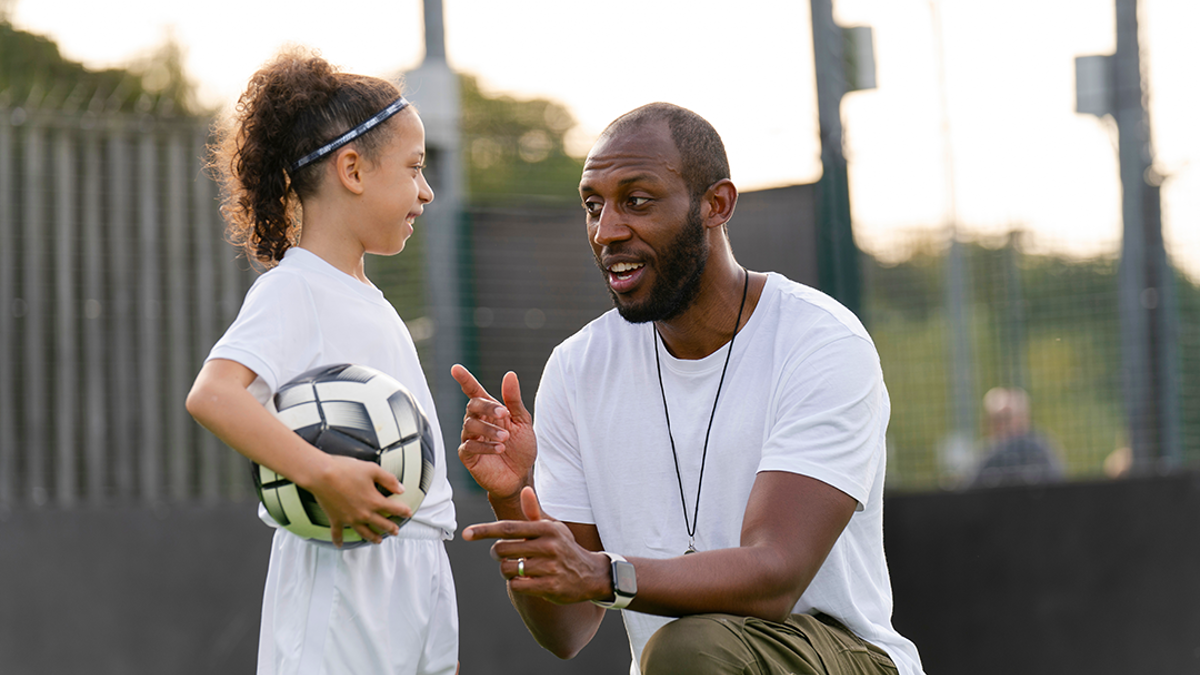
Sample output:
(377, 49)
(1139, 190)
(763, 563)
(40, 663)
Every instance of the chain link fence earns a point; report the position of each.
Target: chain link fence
(1045, 323)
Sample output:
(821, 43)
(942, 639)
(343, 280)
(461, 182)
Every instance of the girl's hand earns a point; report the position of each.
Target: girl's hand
(345, 488)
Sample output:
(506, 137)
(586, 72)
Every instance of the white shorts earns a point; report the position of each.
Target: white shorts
(389, 608)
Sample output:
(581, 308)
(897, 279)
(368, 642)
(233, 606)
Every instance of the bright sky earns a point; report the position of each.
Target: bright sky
(1020, 154)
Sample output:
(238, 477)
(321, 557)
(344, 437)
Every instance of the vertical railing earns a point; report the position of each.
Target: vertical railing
(8, 349)
(148, 337)
(205, 224)
(97, 341)
(120, 321)
(178, 358)
(31, 309)
(114, 284)
(66, 357)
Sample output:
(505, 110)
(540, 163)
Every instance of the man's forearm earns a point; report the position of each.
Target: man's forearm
(746, 581)
(562, 630)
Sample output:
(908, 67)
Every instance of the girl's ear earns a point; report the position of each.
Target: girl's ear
(348, 165)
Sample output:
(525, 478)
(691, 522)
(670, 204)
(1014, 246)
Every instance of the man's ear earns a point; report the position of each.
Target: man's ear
(719, 201)
(348, 164)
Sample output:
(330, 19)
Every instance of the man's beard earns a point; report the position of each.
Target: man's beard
(677, 275)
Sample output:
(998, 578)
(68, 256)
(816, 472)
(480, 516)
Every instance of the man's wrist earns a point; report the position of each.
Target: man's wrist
(623, 582)
(507, 507)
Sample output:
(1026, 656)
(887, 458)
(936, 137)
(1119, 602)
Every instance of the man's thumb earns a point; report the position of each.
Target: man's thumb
(510, 389)
(529, 504)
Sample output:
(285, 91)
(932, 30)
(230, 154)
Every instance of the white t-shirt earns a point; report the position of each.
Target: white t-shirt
(306, 313)
(356, 610)
(804, 393)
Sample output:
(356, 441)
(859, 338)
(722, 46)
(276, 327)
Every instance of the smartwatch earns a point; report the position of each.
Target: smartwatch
(624, 582)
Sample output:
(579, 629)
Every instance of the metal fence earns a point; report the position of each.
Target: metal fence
(114, 283)
(1002, 311)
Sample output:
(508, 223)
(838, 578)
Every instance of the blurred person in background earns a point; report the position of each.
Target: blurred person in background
(1016, 454)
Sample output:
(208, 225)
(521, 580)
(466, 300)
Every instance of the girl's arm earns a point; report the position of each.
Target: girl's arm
(344, 487)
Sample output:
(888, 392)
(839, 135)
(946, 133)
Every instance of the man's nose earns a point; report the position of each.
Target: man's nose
(610, 226)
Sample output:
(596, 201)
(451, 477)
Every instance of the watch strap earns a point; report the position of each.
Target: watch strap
(619, 601)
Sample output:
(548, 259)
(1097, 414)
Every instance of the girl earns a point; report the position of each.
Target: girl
(319, 168)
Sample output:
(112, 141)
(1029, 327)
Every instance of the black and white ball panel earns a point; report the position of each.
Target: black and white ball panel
(357, 412)
(411, 459)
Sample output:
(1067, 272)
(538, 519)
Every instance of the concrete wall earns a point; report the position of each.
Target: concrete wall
(1075, 578)
(119, 591)
(128, 590)
(1097, 578)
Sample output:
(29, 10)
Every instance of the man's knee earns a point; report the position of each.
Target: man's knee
(700, 644)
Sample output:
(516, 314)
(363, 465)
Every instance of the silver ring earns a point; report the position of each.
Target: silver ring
(520, 567)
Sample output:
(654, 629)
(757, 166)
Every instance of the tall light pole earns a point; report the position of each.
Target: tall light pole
(434, 90)
(1112, 85)
(844, 62)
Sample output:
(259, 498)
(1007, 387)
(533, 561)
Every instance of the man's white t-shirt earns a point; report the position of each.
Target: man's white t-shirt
(302, 314)
(804, 393)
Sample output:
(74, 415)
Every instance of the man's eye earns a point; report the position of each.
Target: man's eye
(592, 207)
(639, 201)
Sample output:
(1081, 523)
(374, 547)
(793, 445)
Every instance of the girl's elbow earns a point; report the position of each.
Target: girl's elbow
(198, 402)
(192, 403)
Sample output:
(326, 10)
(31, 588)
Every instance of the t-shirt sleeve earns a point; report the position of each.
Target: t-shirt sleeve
(559, 474)
(831, 419)
(275, 326)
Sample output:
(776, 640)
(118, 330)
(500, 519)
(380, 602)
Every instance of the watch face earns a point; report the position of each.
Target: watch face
(624, 578)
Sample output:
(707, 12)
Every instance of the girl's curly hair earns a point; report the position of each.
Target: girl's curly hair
(293, 105)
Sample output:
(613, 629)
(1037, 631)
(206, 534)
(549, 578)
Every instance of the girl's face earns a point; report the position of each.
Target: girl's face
(395, 187)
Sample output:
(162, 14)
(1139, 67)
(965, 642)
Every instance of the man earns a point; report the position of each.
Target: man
(720, 436)
(1016, 454)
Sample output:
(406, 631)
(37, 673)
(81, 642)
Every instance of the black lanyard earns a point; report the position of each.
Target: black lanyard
(691, 526)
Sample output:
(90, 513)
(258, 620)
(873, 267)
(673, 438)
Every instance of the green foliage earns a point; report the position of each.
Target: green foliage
(514, 150)
(34, 73)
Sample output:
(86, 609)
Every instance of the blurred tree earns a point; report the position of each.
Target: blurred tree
(34, 73)
(515, 150)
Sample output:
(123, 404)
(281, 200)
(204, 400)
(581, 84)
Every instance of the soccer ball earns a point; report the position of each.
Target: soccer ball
(354, 411)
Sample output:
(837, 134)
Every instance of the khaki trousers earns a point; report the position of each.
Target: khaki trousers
(737, 645)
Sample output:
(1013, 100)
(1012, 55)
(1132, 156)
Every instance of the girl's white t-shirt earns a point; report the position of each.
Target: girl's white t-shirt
(305, 313)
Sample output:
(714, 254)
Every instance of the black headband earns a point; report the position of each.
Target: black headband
(374, 121)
